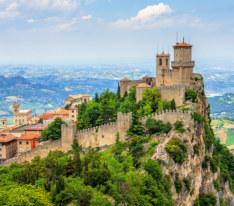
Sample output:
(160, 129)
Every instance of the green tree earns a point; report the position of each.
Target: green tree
(191, 95)
(177, 150)
(53, 131)
(77, 163)
(206, 200)
(26, 195)
(155, 127)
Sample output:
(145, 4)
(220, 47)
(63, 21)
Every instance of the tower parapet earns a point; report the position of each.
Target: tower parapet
(183, 55)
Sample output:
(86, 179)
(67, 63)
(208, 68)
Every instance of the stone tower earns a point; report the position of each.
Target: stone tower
(16, 108)
(162, 68)
(182, 65)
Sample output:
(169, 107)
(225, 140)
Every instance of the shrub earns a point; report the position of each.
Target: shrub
(217, 184)
(179, 127)
(206, 200)
(177, 150)
(53, 131)
(198, 118)
(187, 184)
(155, 127)
(196, 149)
(191, 95)
(178, 184)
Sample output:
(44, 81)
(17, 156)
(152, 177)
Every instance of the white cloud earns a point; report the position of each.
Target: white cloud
(10, 11)
(60, 25)
(87, 17)
(52, 4)
(146, 15)
(31, 20)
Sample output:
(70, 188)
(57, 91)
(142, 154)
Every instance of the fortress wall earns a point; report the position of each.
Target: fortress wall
(172, 117)
(173, 92)
(105, 135)
(41, 151)
(101, 136)
(97, 136)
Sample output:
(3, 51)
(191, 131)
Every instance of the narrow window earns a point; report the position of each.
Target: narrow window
(160, 62)
(167, 61)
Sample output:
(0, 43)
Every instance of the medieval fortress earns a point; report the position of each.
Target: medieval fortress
(172, 80)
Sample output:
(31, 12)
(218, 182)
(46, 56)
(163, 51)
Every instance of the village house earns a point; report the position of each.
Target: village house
(8, 146)
(21, 117)
(28, 141)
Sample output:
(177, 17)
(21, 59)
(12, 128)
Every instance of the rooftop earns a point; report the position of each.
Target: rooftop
(163, 54)
(125, 79)
(183, 44)
(78, 96)
(4, 138)
(29, 137)
(143, 85)
(60, 111)
(36, 127)
(25, 111)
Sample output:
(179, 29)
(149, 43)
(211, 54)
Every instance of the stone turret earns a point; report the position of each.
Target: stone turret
(16, 108)
(162, 67)
(124, 86)
(182, 64)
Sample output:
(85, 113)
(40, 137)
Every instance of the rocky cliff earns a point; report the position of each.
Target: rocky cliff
(199, 173)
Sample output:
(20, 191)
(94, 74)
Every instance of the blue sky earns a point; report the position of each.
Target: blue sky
(112, 31)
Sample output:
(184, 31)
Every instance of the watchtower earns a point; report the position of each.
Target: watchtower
(162, 67)
(16, 108)
(182, 65)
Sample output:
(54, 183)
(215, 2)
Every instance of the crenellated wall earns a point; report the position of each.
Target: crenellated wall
(171, 116)
(176, 92)
(105, 135)
(41, 151)
(101, 136)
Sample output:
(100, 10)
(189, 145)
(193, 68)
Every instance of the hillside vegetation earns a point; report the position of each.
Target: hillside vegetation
(125, 174)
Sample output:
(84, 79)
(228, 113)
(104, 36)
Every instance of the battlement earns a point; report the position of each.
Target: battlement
(172, 87)
(40, 151)
(171, 116)
(95, 129)
(183, 64)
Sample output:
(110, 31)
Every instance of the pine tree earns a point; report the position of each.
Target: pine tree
(118, 92)
(173, 105)
(96, 98)
(76, 158)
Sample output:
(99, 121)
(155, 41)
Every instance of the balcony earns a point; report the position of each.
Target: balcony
(183, 64)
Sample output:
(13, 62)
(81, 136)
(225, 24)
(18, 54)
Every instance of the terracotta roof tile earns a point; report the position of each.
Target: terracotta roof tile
(183, 44)
(29, 137)
(4, 138)
(143, 85)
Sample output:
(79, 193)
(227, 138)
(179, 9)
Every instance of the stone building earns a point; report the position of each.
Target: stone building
(27, 142)
(75, 100)
(72, 103)
(140, 88)
(8, 146)
(172, 78)
(21, 117)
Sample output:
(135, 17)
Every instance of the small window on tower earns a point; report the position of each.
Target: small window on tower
(167, 61)
(160, 62)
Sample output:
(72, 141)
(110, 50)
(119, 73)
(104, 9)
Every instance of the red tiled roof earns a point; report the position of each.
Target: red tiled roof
(46, 116)
(143, 85)
(4, 138)
(36, 127)
(183, 44)
(29, 137)
(163, 55)
(125, 79)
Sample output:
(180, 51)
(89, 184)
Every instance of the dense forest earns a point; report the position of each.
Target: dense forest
(124, 174)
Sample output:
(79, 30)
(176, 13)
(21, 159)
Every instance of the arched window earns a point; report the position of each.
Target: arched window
(160, 62)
